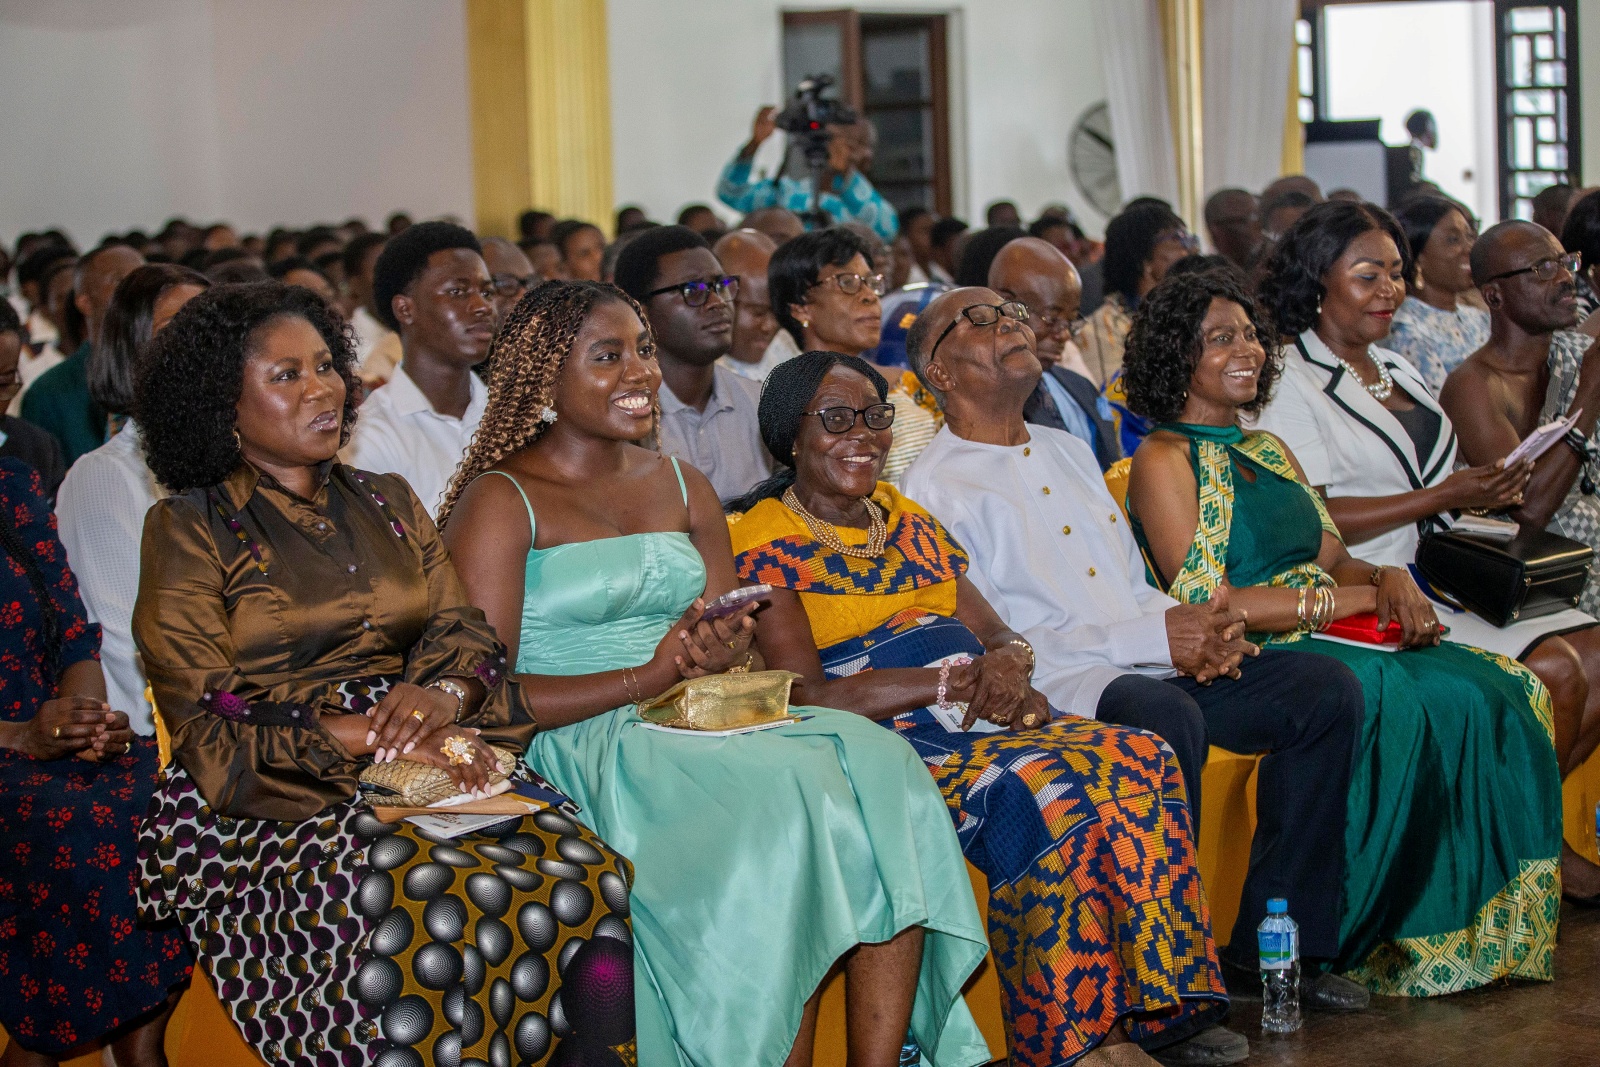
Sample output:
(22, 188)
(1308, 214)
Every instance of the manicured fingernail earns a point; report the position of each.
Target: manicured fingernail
(372, 735)
(410, 745)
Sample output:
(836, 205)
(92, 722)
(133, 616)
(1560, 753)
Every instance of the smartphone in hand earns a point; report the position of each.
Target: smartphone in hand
(728, 603)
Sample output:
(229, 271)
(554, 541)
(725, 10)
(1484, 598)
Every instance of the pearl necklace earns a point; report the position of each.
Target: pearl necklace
(877, 534)
(1381, 389)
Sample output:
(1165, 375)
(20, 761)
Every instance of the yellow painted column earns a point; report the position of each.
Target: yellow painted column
(1294, 133)
(541, 110)
(1182, 22)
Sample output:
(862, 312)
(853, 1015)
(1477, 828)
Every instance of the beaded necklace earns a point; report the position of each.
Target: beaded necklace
(828, 536)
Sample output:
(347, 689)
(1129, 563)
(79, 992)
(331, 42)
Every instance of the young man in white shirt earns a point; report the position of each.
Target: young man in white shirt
(708, 414)
(431, 286)
(1052, 552)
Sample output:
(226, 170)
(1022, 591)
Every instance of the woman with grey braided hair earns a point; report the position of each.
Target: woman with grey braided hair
(762, 860)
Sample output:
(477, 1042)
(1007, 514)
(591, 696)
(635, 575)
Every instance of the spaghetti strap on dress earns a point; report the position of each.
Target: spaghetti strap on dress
(760, 859)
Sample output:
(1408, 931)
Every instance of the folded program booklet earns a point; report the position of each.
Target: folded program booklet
(1541, 440)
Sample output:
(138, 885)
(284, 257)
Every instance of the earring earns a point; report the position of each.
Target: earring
(548, 415)
(805, 323)
(237, 443)
(1319, 305)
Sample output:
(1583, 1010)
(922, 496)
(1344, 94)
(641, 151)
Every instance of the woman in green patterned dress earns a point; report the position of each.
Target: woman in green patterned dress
(1454, 831)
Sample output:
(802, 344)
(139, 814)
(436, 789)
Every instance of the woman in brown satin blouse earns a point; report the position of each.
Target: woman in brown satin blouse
(300, 620)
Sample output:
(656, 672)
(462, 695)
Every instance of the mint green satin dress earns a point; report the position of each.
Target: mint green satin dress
(759, 859)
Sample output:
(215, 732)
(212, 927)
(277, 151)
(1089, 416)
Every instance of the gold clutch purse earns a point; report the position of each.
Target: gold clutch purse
(722, 701)
(407, 784)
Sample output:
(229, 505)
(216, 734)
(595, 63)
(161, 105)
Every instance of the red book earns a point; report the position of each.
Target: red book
(1363, 628)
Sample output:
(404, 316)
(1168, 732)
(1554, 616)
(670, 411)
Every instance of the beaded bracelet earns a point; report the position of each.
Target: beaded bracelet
(944, 682)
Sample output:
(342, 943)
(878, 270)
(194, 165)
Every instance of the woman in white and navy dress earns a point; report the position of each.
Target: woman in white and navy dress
(1375, 442)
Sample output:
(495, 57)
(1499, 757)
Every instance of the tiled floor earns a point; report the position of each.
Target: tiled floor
(1520, 1024)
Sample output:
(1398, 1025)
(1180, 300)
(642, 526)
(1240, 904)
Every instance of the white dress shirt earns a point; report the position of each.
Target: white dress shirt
(779, 349)
(723, 442)
(1053, 554)
(100, 511)
(398, 432)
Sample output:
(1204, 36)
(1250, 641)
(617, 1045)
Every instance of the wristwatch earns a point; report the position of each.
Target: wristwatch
(445, 685)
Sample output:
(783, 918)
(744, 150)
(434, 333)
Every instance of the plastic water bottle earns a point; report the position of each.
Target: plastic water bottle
(1278, 942)
(910, 1053)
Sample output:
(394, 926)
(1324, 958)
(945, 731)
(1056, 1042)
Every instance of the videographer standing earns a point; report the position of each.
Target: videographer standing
(846, 195)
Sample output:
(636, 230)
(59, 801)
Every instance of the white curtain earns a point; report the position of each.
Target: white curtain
(1133, 56)
(1248, 47)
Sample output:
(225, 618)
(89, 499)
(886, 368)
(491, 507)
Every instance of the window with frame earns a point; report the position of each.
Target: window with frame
(894, 71)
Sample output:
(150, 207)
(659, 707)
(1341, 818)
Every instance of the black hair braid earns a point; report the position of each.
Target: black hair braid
(50, 621)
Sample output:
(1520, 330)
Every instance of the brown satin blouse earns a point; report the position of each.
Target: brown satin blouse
(255, 605)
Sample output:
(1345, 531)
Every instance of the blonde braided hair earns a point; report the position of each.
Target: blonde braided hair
(525, 360)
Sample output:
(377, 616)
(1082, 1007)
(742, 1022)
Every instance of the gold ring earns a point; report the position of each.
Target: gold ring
(458, 750)
(416, 713)
(733, 644)
(1030, 720)
(56, 733)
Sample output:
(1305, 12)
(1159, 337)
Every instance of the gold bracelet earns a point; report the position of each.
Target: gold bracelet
(630, 690)
(1303, 623)
(749, 658)
(1377, 574)
(1023, 644)
(1326, 606)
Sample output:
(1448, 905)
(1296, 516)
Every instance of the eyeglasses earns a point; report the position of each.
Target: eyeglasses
(1189, 241)
(983, 315)
(512, 284)
(850, 284)
(1546, 269)
(843, 420)
(696, 293)
(1050, 322)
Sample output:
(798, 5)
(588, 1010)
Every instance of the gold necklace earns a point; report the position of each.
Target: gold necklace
(877, 533)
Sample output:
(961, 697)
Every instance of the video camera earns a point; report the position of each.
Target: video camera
(808, 116)
(807, 120)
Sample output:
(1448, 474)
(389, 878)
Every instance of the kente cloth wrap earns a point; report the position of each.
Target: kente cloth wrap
(1096, 910)
(74, 962)
(1438, 897)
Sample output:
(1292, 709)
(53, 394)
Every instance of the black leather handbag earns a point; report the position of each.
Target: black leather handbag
(1535, 573)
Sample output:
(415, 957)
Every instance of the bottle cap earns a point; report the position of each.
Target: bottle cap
(1277, 906)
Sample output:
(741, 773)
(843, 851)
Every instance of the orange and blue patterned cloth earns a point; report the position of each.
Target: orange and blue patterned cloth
(1096, 911)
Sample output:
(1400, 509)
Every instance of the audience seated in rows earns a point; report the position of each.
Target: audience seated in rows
(756, 864)
(872, 599)
(103, 501)
(1049, 545)
(283, 596)
(1422, 880)
(1141, 244)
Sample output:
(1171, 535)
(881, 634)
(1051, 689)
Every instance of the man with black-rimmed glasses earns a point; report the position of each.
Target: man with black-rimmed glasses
(708, 413)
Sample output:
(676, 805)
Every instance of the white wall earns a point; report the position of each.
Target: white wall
(1589, 87)
(121, 114)
(687, 77)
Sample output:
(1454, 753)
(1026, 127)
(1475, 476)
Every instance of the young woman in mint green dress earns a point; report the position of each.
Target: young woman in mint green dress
(1454, 831)
(762, 860)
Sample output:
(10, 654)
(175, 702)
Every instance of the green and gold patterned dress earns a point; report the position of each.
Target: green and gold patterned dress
(1453, 841)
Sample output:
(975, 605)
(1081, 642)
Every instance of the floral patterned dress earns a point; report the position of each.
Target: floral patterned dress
(75, 963)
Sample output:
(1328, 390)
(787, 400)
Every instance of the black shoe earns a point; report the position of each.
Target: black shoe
(1329, 992)
(1213, 1047)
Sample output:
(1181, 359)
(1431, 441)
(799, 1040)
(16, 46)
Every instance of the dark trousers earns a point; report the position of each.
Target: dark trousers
(1305, 712)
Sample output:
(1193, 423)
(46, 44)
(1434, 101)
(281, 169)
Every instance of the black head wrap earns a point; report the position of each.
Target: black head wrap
(787, 393)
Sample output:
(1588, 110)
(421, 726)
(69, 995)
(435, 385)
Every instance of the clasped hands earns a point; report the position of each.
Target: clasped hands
(416, 723)
(1206, 641)
(997, 687)
(75, 726)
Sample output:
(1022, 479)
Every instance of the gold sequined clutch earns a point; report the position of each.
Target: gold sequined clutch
(405, 783)
(722, 701)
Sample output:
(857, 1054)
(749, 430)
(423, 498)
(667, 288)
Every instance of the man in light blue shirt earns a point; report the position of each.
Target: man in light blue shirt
(847, 196)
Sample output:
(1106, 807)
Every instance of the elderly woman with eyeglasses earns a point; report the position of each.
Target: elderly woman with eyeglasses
(1080, 827)
(826, 290)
